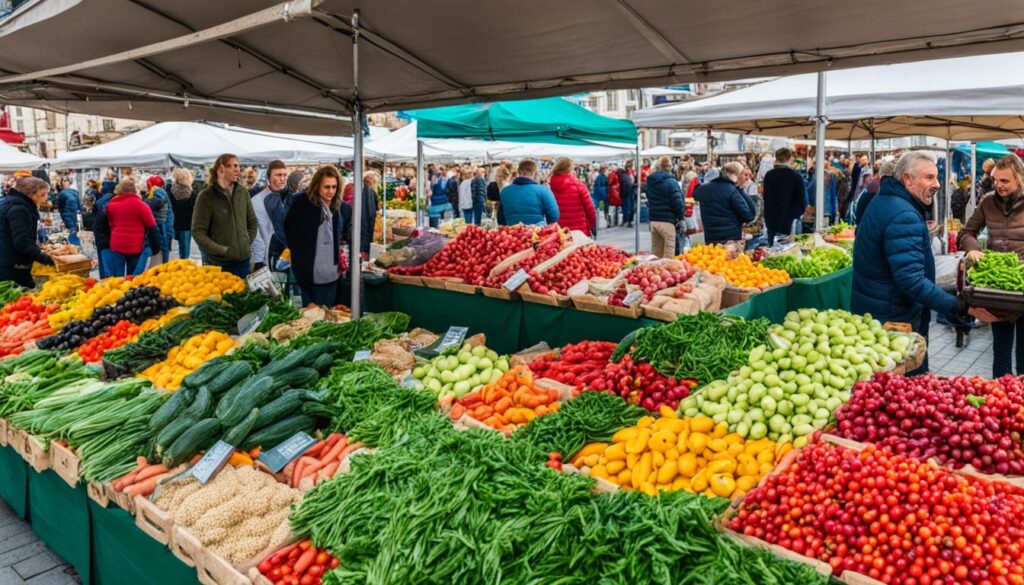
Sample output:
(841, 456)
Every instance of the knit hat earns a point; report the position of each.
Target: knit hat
(154, 181)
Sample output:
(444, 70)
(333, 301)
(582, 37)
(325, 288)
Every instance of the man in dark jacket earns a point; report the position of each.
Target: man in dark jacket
(666, 207)
(19, 220)
(69, 204)
(783, 196)
(893, 266)
(479, 189)
(368, 219)
(723, 207)
(626, 188)
(452, 191)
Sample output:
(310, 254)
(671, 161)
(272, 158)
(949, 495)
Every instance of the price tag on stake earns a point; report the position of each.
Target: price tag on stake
(286, 452)
(453, 338)
(361, 356)
(251, 322)
(212, 461)
(516, 280)
(263, 281)
(633, 298)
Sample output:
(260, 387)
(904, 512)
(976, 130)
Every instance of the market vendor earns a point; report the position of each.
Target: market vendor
(19, 218)
(893, 266)
(1002, 212)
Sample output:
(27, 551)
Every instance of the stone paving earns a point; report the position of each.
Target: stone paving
(24, 559)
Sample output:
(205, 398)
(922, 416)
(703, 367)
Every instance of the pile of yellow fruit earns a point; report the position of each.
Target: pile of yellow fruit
(187, 358)
(190, 284)
(59, 289)
(106, 292)
(170, 315)
(740, 272)
(671, 453)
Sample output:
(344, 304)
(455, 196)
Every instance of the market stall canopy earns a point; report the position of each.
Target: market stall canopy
(992, 149)
(660, 151)
(289, 67)
(970, 98)
(12, 159)
(188, 143)
(549, 120)
(400, 146)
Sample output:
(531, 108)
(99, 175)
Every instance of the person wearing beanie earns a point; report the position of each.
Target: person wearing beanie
(183, 201)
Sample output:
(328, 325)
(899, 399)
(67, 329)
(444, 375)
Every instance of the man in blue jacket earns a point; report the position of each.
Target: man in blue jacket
(723, 207)
(69, 204)
(527, 202)
(893, 266)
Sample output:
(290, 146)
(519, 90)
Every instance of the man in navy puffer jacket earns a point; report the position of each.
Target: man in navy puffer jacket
(893, 266)
(723, 207)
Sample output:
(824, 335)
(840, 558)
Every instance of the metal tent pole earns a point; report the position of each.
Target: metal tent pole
(819, 155)
(944, 192)
(357, 169)
(421, 183)
(974, 180)
(636, 202)
(384, 200)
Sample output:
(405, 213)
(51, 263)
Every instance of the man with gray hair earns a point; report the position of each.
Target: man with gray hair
(724, 208)
(893, 266)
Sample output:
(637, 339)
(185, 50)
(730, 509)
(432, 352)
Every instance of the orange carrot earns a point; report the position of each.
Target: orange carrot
(138, 488)
(150, 472)
(255, 452)
(316, 449)
(297, 473)
(335, 451)
(304, 561)
(457, 411)
(333, 438)
(331, 469)
(195, 459)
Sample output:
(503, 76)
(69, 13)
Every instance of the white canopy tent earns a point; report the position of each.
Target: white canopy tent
(660, 150)
(12, 159)
(291, 66)
(168, 144)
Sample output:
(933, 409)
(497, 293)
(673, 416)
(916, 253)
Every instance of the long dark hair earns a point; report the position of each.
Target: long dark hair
(313, 189)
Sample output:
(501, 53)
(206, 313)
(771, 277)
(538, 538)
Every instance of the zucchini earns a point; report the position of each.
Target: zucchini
(253, 394)
(171, 409)
(285, 364)
(199, 436)
(228, 377)
(277, 409)
(171, 432)
(313, 352)
(323, 363)
(204, 375)
(238, 432)
(225, 402)
(297, 378)
(201, 406)
(272, 435)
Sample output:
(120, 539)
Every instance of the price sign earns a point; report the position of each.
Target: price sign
(516, 280)
(286, 452)
(213, 460)
(361, 356)
(409, 382)
(263, 281)
(251, 322)
(453, 338)
(633, 298)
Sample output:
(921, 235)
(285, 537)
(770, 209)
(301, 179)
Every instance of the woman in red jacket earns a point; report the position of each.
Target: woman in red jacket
(129, 220)
(575, 207)
(614, 196)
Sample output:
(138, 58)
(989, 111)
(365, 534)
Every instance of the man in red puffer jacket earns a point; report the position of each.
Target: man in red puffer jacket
(575, 207)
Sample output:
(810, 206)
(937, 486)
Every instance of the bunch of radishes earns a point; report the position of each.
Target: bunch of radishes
(958, 421)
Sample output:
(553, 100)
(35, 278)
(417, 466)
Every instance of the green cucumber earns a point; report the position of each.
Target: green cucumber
(323, 363)
(171, 409)
(279, 408)
(228, 399)
(201, 406)
(254, 394)
(171, 432)
(229, 377)
(283, 365)
(196, 438)
(272, 435)
(238, 432)
(297, 378)
(204, 375)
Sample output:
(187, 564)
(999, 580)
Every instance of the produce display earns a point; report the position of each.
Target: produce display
(542, 252)
(187, 358)
(740, 271)
(189, 283)
(576, 364)
(142, 480)
(787, 390)
(890, 517)
(137, 305)
(652, 277)
(671, 453)
(237, 515)
(640, 383)
(300, 563)
(998, 270)
(590, 261)
(59, 289)
(819, 262)
(82, 305)
(9, 291)
(958, 421)
(472, 254)
(461, 373)
(320, 462)
(508, 403)
(119, 334)
(24, 321)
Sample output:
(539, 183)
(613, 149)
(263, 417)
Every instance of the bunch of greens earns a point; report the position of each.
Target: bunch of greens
(587, 418)
(9, 291)
(705, 346)
(151, 347)
(35, 375)
(354, 335)
(281, 311)
(998, 270)
(819, 262)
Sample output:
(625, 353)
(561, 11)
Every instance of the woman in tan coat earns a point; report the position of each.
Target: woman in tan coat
(1002, 212)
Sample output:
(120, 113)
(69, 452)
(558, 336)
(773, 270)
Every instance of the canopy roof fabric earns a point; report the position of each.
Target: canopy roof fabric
(400, 146)
(188, 143)
(970, 98)
(660, 151)
(12, 159)
(271, 65)
(549, 120)
(993, 149)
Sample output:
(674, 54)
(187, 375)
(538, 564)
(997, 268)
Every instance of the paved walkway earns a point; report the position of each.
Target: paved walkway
(24, 559)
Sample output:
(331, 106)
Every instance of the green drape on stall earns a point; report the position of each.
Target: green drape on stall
(60, 517)
(561, 325)
(14, 481)
(827, 292)
(124, 555)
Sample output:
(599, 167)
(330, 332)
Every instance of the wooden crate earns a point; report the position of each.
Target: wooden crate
(434, 282)
(499, 293)
(406, 279)
(65, 462)
(152, 520)
(591, 304)
(918, 353)
(551, 300)
(3, 432)
(123, 500)
(98, 493)
(732, 296)
(601, 485)
(462, 287)
(185, 546)
(35, 453)
(214, 570)
(633, 312)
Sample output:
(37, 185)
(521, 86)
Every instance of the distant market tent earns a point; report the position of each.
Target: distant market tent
(12, 159)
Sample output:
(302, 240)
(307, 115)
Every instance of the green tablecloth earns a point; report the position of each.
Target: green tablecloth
(827, 292)
(124, 555)
(60, 517)
(14, 481)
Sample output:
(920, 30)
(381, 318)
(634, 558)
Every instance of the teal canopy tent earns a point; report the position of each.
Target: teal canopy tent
(986, 149)
(549, 120)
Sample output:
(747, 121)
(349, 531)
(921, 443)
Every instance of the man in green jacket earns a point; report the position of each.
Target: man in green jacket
(224, 223)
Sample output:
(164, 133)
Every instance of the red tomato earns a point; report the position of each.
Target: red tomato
(322, 558)
(274, 573)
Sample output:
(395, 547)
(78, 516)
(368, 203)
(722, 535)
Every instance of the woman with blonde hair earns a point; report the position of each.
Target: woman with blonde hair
(502, 178)
(223, 221)
(317, 254)
(183, 202)
(1002, 212)
(575, 207)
